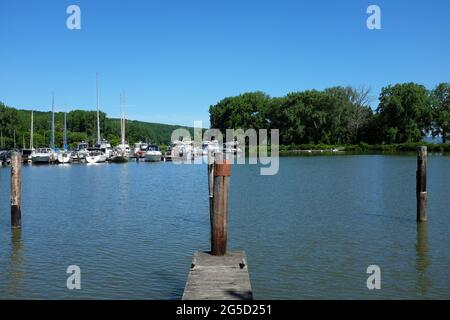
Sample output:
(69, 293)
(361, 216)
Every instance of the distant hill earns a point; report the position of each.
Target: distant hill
(81, 126)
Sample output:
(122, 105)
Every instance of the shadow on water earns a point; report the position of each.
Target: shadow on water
(15, 270)
(422, 259)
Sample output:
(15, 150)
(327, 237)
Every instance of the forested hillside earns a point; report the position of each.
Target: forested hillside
(81, 127)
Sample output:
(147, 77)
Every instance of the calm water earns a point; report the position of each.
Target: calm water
(309, 232)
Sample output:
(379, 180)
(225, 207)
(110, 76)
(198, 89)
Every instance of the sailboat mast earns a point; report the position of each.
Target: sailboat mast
(122, 120)
(52, 132)
(98, 115)
(65, 131)
(31, 133)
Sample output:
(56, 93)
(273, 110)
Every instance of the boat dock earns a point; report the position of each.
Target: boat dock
(218, 274)
(218, 277)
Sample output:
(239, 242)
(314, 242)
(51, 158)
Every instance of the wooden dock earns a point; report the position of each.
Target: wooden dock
(218, 277)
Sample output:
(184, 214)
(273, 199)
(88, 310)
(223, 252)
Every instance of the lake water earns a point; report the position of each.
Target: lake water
(309, 232)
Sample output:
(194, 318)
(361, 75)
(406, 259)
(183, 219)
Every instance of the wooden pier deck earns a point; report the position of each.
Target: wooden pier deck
(218, 277)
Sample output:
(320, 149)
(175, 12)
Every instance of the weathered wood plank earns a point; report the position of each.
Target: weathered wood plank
(218, 277)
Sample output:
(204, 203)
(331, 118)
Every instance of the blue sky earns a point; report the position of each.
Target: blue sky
(176, 58)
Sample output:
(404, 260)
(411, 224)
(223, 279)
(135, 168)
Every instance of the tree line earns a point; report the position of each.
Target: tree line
(82, 126)
(405, 113)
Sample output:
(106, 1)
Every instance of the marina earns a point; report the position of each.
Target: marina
(320, 242)
(225, 155)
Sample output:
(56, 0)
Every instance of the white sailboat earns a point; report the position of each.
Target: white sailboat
(103, 148)
(47, 155)
(65, 156)
(121, 153)
(27, 154)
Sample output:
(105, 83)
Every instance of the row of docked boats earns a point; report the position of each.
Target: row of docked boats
(102, 151)
(97, 154)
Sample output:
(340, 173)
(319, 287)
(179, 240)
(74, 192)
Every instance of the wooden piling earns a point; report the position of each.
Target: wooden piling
(211, 186)
(421, 184)
(16, 190)
(218, 275)
(222, 172)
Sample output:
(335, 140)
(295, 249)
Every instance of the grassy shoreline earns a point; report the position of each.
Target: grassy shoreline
(357, 148)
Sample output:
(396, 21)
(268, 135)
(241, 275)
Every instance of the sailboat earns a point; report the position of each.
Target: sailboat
(101, 152)
(121, 153)
(27, 154)
(65, 156)
(47, 155)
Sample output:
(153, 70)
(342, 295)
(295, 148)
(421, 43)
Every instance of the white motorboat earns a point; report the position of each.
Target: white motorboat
(210, 146)
(140, 148)
(153, 154)
(42, 155)
(95, 155)
(231, 147)
(106, 148)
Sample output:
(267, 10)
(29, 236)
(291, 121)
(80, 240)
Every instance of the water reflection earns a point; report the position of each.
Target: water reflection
(15, 268)
(422, 259)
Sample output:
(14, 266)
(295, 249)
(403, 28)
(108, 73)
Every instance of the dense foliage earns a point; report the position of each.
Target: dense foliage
(341, 115)
(81, 127)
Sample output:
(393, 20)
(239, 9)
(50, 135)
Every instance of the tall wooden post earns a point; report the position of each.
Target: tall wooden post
(421, 184)
(16, 190)
(211, 185)
(222, 172)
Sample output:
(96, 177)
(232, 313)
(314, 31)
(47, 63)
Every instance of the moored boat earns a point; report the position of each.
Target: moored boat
(64, 157)
(80, 152)
(153, 154)
(42, 155)
(122, 152)
(95, 155)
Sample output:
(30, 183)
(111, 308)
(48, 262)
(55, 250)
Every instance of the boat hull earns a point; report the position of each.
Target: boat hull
(64, 158)
(41, 159)
(95, 159)
(119, 159)
(153, 157)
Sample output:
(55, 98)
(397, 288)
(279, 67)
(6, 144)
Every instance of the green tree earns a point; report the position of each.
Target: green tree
(405, 112)
(440, 102)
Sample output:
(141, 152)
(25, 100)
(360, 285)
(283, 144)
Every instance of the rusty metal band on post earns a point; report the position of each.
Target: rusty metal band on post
(222, 168)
